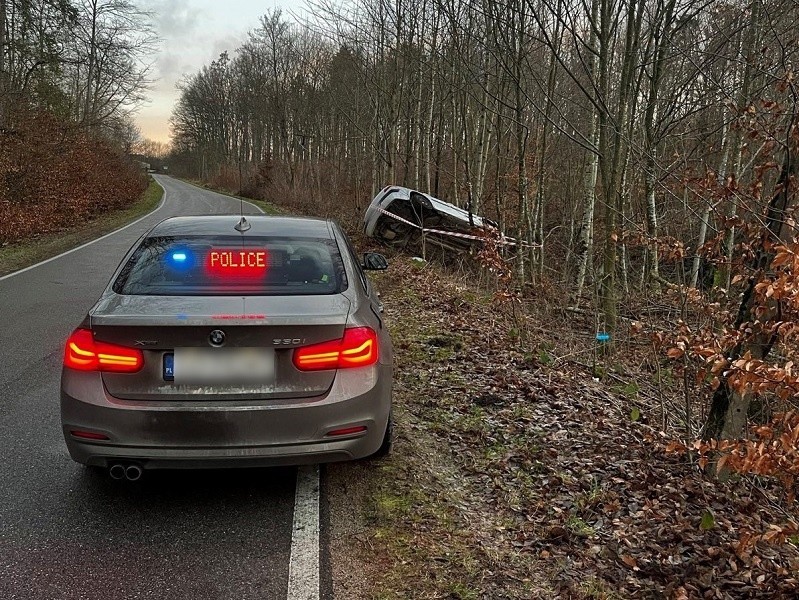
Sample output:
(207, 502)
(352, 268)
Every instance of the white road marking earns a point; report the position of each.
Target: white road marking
(304, 560)
(52, 258)
(255, 206)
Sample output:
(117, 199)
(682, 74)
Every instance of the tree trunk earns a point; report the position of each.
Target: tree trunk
(585, 237)
(88, 108)
(538, 234)
(522, 133)
(3, 68)
(748, 53)
(705, 222)
(729, 408)
(613, 169)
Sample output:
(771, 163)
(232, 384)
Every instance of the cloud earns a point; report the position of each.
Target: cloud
(171, 16)
(171, 66)
(229, 43)
(193, 33)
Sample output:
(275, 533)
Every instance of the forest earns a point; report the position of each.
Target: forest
(643, 151)
(71, 73)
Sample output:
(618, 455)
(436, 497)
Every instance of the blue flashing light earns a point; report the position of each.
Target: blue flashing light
(180, 259)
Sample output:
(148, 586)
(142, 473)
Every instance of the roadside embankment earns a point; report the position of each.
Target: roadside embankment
(38, 247)
(517, 473)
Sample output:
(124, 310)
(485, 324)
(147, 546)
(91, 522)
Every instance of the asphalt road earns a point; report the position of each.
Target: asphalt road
(67, 532)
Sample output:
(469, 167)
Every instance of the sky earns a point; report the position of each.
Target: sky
(193, 33)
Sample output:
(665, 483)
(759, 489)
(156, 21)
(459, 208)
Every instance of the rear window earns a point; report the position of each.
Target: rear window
(232, 265)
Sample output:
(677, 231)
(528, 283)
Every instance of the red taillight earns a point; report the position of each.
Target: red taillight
(358, 348)
(83, 353)
(347, 430)
(88, 435)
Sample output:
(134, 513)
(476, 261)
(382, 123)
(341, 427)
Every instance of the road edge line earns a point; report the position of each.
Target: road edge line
(303, 583)
(94, 241)
(199, 187)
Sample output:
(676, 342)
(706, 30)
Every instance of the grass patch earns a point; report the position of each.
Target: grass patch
(18, 256)
(597, 589)
(413, 515)
(579, 527)
(436, 515)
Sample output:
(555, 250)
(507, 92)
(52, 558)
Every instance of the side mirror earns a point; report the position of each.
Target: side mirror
(372, 261)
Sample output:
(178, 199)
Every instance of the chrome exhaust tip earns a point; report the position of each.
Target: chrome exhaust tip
(133, 472)
(117, 471)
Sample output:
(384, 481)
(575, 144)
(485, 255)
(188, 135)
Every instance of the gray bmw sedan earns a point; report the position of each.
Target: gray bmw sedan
(224, 341)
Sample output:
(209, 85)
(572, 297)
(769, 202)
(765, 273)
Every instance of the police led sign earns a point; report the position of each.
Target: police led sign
(225, 262)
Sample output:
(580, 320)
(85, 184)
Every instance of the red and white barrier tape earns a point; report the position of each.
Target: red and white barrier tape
(505, 241)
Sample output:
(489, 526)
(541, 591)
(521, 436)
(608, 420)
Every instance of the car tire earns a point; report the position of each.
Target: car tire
(388, 440)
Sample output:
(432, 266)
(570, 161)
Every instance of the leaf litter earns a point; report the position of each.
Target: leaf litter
(512, 477)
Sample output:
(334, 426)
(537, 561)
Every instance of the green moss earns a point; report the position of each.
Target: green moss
(391, 505)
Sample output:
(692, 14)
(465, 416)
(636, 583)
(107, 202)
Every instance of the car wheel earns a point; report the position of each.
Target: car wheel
(388, 440)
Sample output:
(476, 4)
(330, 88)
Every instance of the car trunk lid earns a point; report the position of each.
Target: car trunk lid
(170, 328)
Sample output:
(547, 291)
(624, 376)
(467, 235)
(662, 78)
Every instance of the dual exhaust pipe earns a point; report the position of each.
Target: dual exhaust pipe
(131, 472)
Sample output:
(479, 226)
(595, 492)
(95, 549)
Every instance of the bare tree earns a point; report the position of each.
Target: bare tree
(111, 41)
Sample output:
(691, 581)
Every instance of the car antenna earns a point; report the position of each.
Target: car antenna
(243, 224)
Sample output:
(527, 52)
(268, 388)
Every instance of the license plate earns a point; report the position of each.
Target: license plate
(169, 367)
(220, 366)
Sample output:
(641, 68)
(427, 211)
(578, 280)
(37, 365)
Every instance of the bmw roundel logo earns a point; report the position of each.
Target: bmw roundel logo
(217, 337)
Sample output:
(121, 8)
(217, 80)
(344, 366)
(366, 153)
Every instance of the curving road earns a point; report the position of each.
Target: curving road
(69, 533)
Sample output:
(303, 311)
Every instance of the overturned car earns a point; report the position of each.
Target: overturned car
(407, 218)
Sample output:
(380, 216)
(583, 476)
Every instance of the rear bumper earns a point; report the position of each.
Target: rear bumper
(183, 458)
(166, 435)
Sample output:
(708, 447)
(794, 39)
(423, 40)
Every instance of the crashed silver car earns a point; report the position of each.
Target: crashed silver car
(399, 216)
(218, 344)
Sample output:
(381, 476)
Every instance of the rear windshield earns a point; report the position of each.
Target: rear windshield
(232, 265)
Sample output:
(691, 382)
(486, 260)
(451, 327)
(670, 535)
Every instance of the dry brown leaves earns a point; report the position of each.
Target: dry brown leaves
(53, 176)
(556, 478)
